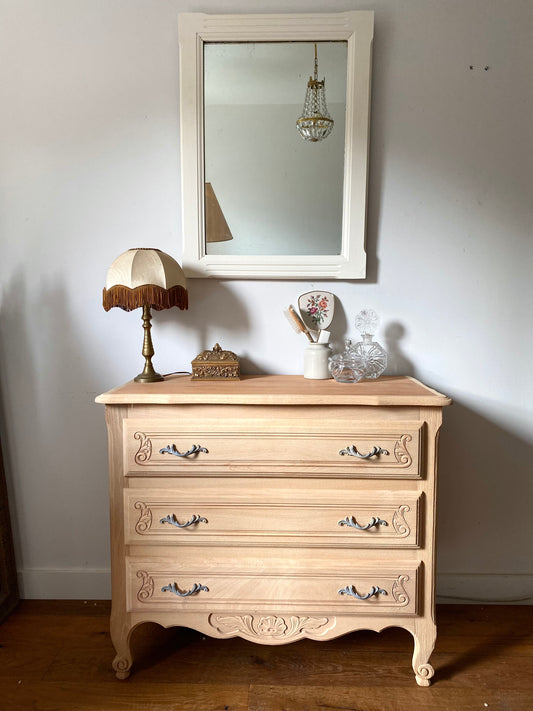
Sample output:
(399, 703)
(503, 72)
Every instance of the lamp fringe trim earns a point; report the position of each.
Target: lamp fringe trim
(146, 295)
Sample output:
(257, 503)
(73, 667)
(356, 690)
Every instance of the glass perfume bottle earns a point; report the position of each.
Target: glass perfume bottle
(371, 353)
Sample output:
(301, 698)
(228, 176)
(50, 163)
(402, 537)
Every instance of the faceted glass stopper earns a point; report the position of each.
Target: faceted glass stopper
(367, 322)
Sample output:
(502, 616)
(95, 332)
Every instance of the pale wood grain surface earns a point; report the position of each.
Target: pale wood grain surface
(277, 389)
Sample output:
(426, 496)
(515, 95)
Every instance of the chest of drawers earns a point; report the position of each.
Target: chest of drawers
(274, 508)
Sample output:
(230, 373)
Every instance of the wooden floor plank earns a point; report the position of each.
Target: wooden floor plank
(56, 656)
(58, 696)
(389, 698)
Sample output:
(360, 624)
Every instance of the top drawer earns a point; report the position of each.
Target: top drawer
(166, 447)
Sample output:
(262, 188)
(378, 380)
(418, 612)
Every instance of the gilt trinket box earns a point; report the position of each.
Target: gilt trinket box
(216, 364)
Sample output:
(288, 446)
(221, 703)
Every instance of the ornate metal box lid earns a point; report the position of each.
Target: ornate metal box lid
(216, 365)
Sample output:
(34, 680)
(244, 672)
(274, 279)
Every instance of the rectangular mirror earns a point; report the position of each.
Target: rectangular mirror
(272, 188)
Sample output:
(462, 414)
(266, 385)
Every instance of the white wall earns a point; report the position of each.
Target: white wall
(89, 165)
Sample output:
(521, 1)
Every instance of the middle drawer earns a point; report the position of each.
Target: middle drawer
(364, 520)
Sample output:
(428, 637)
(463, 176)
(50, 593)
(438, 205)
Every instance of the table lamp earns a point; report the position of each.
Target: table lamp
(146, 278)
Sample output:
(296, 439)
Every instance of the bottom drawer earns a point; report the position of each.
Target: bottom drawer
(164, 587)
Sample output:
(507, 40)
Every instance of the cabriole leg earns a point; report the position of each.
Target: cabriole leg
(425, 636)
(120, 636)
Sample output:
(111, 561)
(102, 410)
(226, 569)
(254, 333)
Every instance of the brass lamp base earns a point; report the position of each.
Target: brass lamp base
(148, 375)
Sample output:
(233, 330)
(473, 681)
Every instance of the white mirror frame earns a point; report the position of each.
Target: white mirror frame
(357, 28)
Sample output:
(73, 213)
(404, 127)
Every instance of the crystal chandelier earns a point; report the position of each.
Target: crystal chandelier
(315, 123)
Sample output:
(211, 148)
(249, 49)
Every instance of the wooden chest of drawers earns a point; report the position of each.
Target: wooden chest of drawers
(274, 508)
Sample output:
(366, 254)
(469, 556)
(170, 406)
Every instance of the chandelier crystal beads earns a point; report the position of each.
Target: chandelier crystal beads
(315, 123)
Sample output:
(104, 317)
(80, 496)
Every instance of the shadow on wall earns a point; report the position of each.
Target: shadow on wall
(397, 362)
(485, 495)
(17, 383)
(215, 315)
(382, 79)
(339, 327)
(55, 434)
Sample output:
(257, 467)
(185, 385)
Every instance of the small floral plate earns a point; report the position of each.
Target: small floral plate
(316, 309)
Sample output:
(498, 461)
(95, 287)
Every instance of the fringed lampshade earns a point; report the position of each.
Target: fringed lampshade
(145, 278)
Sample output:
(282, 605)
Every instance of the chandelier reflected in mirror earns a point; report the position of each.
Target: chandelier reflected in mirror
(315, 123)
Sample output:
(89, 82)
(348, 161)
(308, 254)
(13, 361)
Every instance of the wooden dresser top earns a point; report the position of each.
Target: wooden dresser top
(276, 390)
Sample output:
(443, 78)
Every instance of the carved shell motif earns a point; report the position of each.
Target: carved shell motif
(145, 448)
(398, 590)
(271, 626)
(145, 519)
(400, 450)
(147, 588)
(399, 523)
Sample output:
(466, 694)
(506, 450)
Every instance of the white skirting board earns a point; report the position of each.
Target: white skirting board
(477, 588)
(95, 584)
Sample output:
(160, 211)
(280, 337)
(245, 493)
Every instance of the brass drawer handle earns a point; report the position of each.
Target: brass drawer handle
(351, 451)
(172, 449)
(172, 519)
(173, 588)
(350, 590)
(374, 521)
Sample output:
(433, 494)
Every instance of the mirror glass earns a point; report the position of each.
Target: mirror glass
(268, 191)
